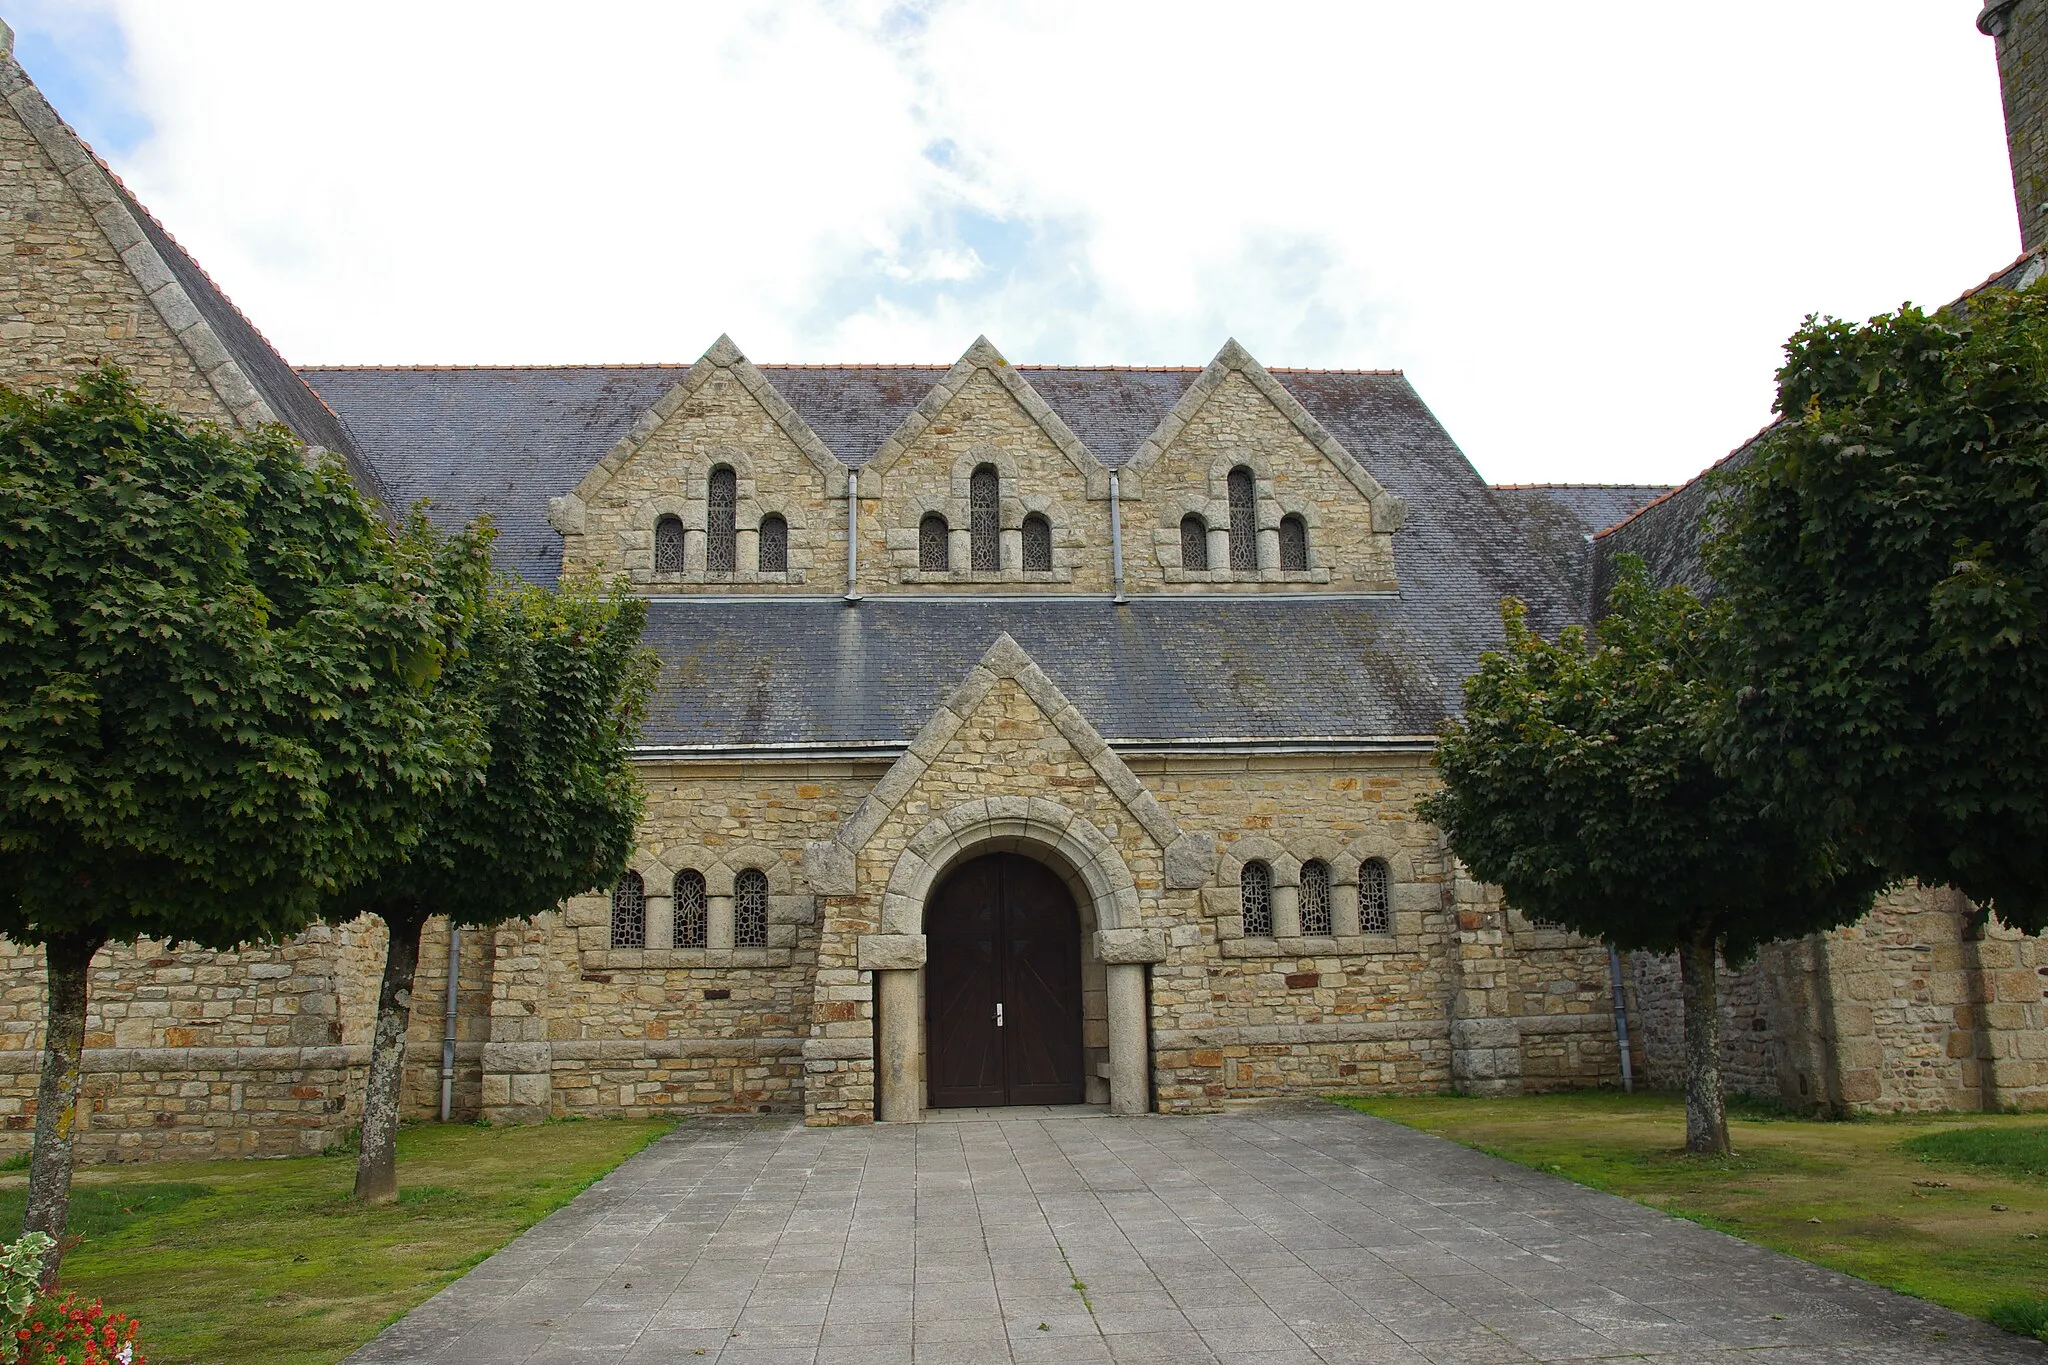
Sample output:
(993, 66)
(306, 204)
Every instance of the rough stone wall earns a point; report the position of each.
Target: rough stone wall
(67, 300)
(719, 421)
(1239, 425)
(1562, 1001)
(420, 1093)
(576, 1025)
(982, 424)
(2022, 31)
(1749, 1044)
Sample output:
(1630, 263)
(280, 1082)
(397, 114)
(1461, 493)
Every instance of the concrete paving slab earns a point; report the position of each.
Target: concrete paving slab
(1297, 1232)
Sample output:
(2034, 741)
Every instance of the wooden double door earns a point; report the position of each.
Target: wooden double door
(1002, 987)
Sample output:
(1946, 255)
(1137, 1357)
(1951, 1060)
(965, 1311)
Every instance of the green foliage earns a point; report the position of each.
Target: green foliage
(2015, 1151)
(21, 1264)
(1579, 782)
(215, 667)
(2022, 1317)
(1883, 561)
(558, 682)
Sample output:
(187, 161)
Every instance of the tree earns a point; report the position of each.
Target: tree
(215, 663)
(1579, 782)
(1883, 562)
(560, 681)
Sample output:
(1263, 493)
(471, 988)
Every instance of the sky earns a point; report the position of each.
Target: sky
(1584, 230)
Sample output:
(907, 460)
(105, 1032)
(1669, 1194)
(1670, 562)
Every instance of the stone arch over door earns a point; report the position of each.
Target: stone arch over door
(1115, 950)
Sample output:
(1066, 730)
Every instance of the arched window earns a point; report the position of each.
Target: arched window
(934, 544)
(1244, 521)
(750, 909)
(1255, 896)
(693, 919)
(1375, 898)
(1194, 543)
(1293, 544)
(668, 545)
(1037, 544)
(1315, 899)
(985, 524)
(629, 912)
(774, 544)
(721, 521)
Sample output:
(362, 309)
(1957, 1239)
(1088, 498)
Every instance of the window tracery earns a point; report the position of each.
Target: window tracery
(934, 544)
(1255, 899)
(1244, 521)
(1293, 544)
(1375, 898)
(721, 521)
(774, 544)
(750, 909)
(693, 917)
(668, 545)
(629, 912)
(984, 527)
(1194, 543)
(1316, 920)
(1037, 544)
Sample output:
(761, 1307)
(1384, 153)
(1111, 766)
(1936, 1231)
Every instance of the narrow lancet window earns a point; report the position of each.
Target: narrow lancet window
(1037, 544)
(1293, 544)
(934, 544)
(1316, 921)
(1194, 543)
(1375, 898)
(629, 912)
(693, 918)
(750, 909)
(1244, 521)
(984, 528)
(774, 544)
(721, 521)
(1255, 896)
(668, 545)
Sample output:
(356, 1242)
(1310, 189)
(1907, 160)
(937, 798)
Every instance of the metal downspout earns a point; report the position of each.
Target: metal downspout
(1116, 540)
(1628, 1076)
(448, 1021)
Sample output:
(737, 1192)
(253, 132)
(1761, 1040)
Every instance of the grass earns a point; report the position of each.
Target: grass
(1943, 1207)
(271, 1260)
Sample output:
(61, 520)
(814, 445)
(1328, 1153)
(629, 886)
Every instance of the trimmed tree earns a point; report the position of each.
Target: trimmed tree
(215, 668)
(1579, 782)
(1883, 562)
(561, 682)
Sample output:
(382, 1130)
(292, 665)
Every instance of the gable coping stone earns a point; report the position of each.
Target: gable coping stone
(566, 514)
(1388, 511)
(982, 355)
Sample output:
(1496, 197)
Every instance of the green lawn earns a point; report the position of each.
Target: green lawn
(270, 1261)
(1946, 1207)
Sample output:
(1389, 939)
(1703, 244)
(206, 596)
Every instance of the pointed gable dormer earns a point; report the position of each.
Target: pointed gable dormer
(984, 485)
(1242, 486)
(719, 486)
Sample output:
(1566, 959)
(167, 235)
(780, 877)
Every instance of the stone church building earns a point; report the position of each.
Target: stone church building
(1025, 735)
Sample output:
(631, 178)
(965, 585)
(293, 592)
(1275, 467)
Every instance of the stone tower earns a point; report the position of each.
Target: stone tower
(2021, 28)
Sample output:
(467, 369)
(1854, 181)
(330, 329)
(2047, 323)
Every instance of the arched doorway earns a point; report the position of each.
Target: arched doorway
(1003, 1000)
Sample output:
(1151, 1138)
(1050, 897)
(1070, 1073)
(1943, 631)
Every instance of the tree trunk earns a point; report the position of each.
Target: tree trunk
(1706, 1122)
(69, 961)
(377, 1161)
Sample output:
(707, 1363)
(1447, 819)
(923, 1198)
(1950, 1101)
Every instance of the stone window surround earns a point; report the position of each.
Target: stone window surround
(788, 912)
(1214, 510)
(692, 508)
(1221, 902)
(957, 509)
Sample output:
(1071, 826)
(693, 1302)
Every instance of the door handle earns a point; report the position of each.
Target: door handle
(999, 1014)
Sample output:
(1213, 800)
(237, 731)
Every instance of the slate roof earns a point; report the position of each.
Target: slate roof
(504, 441)
(742, 672)
(1594, 506)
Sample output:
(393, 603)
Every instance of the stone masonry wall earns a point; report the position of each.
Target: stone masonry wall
(2022, 31)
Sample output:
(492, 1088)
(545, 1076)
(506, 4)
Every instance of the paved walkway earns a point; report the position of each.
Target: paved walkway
(1302, 1233)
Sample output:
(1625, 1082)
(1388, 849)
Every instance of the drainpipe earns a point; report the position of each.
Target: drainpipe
(1116, 541)
(448, 1021)
(1628, 1077)
(852, 535)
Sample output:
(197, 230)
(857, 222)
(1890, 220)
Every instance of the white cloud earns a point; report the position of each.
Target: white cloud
(1584, 230)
